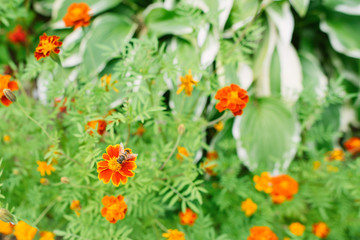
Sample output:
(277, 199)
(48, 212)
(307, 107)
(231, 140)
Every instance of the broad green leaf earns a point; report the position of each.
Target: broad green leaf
(267, 135)
(343, 33)
(107, 35)
(351, 7)
(301, 6)
(162, 22)
(242, 13)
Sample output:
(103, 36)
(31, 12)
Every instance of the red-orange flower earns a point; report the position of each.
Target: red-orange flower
(284, 188)
(101, 126)
(263, 182)
(77, 15)
(18, 35)
(75, 206)
(261, 233)
(174, 234)
(5, 83)
(47, 45)
(188, 217)
(233, 98)
(114, 208)
(118, 165)
(353, 145)
(321, 230)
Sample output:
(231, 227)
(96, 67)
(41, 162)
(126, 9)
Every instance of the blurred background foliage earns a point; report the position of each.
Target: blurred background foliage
(298, 59)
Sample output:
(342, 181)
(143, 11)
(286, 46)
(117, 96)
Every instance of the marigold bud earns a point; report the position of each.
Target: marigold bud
(9, 95)
(16, 172)
(65, 180)
(181, 129)
(6, 216)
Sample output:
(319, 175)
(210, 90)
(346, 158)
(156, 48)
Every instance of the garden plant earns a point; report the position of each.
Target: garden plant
(180, 119)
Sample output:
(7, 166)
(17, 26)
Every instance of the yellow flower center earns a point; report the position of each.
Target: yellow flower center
(76, 11)
(46, 47)
(114, 165)
(234, 95)
(284, 184)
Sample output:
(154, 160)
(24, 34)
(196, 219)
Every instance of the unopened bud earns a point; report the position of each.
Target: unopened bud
(181, 129)
(44, 181)
(15, 171)
(6, 216)
(9, 95)
(65, 180)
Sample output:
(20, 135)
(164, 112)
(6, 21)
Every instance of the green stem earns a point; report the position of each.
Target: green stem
(45, 211)
(171, 153)
(161, 226)
(223, 117)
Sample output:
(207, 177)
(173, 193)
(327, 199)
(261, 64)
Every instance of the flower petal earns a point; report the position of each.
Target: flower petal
(13, 85)
(116, 177)
(113, 151)
(105, 175)
(106, 157)
(5, 101)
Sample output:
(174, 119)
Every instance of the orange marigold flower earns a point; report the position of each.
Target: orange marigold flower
(6, 228)
(263, 182)
(249, 207)
(297, 229)
(335, 155)
(284, 188)
(320, 230)
(353, 145)
(219, 126)
(24, 231)
(101, 127)
(47, 45)
(209, 166)
(182, 152)
(6, 138)
(45, 168)
(188, 217)
(107, 83)
(140, 131)
(77, 15)
(187, 83)
(5, 83)
(114, 208)
(261, 233)
(233, 98)
(75, 206)
(118, 165)
(174, 234)
(18, 35)
(212, 155)
(45, 235)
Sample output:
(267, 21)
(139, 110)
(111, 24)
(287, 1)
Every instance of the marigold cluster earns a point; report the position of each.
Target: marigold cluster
(77, 15)
(263, 182)
(249, 207)
(233, 98)
(44, 167)
(18, 35)
(297, 229)
(114, 208)
(335, 155)
(114, 168)
(174, 234)
(24, 231)
(188, 217)
(261, 233)
(76, 207)
(47, 45)
(353, 145)
(100, 124)
(187, 83)
(321, 230)
(5, 83)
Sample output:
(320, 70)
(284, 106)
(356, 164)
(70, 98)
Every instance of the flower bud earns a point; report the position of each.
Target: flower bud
(181, 129)
(16, 171)
(6, 216)
(44, 181)
(65, 180)
(9, 95)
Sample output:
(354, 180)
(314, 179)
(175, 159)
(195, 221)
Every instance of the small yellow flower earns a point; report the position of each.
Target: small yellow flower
(187, 83)
(45, 235)
(7, 138)
(316, 165)
(182, 152)
(263, 182)
(336, 154)
(219, 126)
(249, 207)
(297, 229)
(107, 84)
(44, 181)
(45, 168)
(75, 206)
